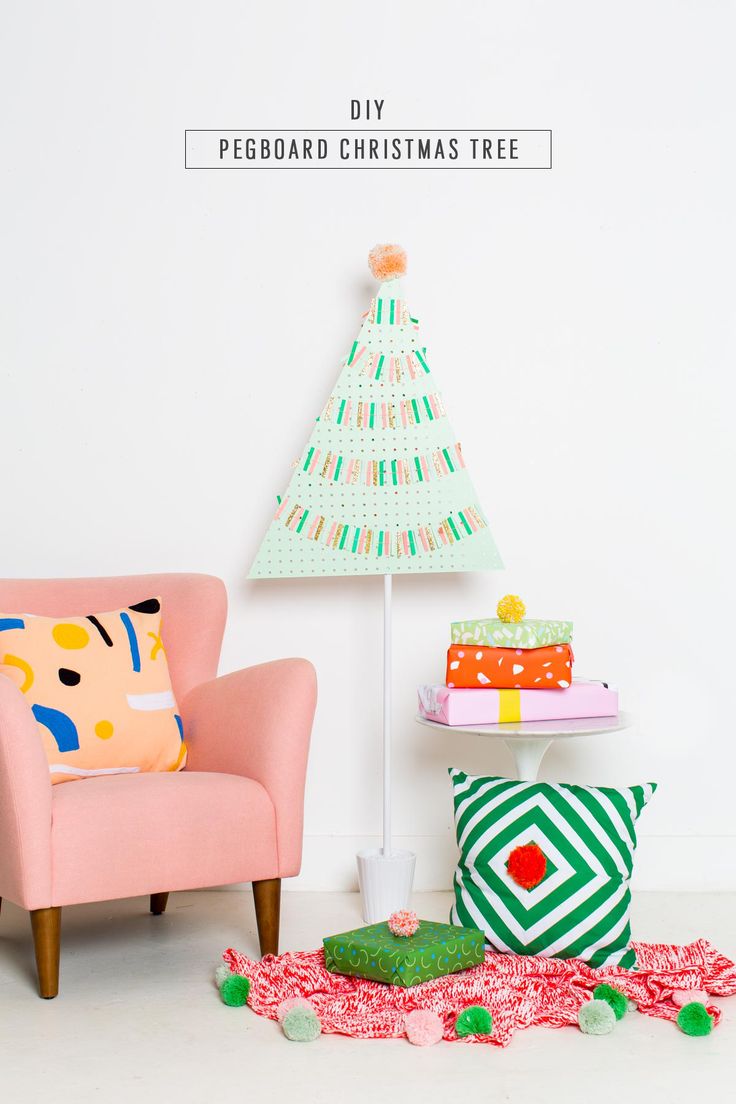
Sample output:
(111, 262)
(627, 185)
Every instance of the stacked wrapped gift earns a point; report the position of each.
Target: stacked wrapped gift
(404, 950)
(510, 668)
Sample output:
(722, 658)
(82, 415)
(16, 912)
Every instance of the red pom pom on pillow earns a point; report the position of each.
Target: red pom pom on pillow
(527, 865)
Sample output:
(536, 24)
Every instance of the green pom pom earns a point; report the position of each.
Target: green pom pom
(613, 996)
(695, 1019)
(474, 1020)
(301, 1025)
(596, 1017)
(234, 990)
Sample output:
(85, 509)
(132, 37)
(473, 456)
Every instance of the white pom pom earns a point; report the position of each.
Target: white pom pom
(221, 973)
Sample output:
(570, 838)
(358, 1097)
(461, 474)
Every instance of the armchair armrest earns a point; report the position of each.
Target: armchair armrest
(257, 723)
(25, 804)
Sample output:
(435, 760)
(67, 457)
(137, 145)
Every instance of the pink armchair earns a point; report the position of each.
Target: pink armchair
(233, 815)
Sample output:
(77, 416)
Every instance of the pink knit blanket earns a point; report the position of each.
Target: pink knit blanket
(520, 992)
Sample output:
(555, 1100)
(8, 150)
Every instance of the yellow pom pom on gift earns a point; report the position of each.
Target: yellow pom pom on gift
(511, 608)
(387, 261)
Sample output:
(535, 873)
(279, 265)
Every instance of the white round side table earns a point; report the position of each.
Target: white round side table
(529, 740)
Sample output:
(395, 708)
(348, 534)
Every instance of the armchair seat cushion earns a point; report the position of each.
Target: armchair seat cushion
(132, 834)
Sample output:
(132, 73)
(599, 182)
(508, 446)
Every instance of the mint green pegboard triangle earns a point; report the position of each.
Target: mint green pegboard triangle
(381, 486)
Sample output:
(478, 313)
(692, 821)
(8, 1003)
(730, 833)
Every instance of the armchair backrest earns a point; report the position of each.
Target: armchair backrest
(194, 608)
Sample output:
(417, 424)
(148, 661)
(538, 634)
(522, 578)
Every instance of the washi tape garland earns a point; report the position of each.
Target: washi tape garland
(390, 312)
(338, 468)
(383, 415)
(362, 540)
(389, 367)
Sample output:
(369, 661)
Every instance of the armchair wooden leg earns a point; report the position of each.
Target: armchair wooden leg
(267, 898)
(158, 903)
(46, 925)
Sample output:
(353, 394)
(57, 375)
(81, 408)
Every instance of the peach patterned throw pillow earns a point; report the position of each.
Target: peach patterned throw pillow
(99, 688)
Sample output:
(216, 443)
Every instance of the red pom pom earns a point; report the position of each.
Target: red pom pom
(404, 922)
(527, 865)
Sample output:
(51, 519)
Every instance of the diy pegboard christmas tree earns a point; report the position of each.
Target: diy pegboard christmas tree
(381, 487)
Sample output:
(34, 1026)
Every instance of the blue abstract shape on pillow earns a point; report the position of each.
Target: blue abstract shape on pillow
(179, 725)
(61, 727)
(11, 623)
(135, 654)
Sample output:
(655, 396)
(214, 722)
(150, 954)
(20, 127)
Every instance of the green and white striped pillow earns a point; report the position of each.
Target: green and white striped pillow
(580, 907)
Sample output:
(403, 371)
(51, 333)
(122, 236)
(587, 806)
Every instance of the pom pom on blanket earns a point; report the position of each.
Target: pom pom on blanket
(613, 996)
(234, 990)
(423, 1027)
(695, 1019)
(597, 1018)
(474, 1020)
(301, 1025)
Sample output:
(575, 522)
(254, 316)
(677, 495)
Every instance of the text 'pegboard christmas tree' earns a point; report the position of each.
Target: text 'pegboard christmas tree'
(381, 487)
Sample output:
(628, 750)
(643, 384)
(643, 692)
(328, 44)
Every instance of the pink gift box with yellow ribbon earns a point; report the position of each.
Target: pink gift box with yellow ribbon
(486, 706)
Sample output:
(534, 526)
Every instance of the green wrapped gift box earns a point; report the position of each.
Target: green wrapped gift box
(374, 953)
(529, 633)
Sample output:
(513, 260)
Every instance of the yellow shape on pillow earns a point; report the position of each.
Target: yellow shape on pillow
(70, 636)
(24, 668)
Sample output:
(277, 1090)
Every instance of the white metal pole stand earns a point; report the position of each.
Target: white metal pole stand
(387, 716)
(385, 875)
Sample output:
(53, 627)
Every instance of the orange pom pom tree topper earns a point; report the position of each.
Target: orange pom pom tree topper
(386, 262)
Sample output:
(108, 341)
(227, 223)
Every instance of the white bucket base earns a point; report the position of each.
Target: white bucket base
(385, 882)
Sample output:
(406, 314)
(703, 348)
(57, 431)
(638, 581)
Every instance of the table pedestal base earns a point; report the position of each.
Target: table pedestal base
(528, 755)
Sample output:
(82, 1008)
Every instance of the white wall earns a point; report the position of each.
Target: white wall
(168, 337)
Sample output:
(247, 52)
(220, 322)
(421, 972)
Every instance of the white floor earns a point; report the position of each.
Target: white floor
(138, 1018)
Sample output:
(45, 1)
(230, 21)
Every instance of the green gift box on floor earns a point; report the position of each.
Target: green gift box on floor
(374, 953)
